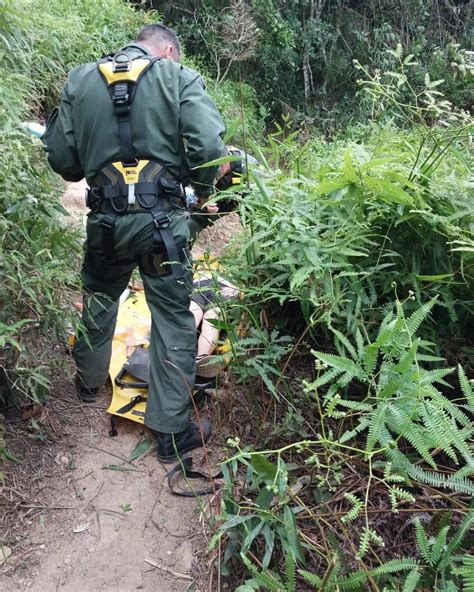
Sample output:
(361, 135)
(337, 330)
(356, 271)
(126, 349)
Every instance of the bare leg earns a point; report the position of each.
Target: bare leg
(197, 312)
(209, 334)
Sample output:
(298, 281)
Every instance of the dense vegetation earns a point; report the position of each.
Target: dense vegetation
(299, 55)
(360, 250)
(356, 260)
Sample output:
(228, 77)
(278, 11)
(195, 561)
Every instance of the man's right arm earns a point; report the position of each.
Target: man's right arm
(202, 128)
(59, 141)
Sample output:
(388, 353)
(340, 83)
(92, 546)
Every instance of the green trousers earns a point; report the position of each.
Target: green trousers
(173, 333)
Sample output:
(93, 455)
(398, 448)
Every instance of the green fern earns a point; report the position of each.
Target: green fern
(403, 403)
(356, 509)
(466, 387)
(353, 581)
(290, 573)
(262, 578)
(411, 581)
(311, 578)
(467, 573)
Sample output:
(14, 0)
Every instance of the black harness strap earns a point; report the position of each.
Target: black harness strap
(108, 228)
(128, 407)
(185, 469)
(121, 102)
(162, 235)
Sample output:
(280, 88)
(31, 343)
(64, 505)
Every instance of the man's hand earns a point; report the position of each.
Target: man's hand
(212, 208)
(224, 169)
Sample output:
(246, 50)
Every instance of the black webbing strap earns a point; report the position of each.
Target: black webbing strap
(114, 191)
(128, 407)
(121, 103)
(185, 469)
(162, 235)
(108, 228)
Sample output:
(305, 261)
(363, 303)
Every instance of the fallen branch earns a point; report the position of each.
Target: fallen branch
(175, 574)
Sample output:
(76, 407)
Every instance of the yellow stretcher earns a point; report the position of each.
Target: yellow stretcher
(132, 331)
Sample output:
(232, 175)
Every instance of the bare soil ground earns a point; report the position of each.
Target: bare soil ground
(75, 512)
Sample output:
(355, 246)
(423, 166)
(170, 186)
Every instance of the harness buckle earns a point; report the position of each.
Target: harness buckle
(108, 222)
(121, 62)
(161, 220)
(121, 96)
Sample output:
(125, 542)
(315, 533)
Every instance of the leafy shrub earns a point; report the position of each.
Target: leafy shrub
(384, 435)
(40, 42)
(331, 231)
(333, 225)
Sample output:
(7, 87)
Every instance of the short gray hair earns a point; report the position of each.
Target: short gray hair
(159, 33)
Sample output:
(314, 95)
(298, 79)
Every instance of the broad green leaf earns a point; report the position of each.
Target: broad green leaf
(217, 162)
(140, 449)
(265, 469)
(231, 129)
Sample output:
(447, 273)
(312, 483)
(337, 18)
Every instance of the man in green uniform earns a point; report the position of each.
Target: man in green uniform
(138, 126)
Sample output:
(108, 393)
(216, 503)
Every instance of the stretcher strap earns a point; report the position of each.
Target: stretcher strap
(185, 469)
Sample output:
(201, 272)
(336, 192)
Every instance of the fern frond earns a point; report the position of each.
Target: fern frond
(353, 580)
(433, 376)
(377, 423)
(369, 359)
(460, 533)
(290, 573)
(458, 484)
(467, 573)
(262, 578)
(466, 388)
(414, 321)
(438, 546)
(356, 405)
(311, 578)
(411, 581)
(324, 378)
(342, 364)
(360, 343)
(397, 493)
(357, 506)
(361, 426)
(413, 433)
(346, 344)
(422, 541)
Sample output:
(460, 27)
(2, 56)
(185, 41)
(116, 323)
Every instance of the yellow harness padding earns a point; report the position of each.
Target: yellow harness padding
(132, 330)
(138, 67)
(130, 174)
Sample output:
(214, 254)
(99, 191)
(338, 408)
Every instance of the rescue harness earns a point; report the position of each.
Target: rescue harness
(130, 185)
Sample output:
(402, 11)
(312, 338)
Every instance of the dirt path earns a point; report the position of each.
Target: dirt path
(117, 520)
(105, 524)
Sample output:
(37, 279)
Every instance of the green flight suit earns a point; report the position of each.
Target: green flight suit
(173, 121)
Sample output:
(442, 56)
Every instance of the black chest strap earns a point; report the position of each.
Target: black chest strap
(121, 75)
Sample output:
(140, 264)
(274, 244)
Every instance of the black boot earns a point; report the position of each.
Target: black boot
(201, 383)
(195, 436)
(86, 394)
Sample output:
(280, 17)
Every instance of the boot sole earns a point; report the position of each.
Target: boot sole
(167, 460)
(86, 399)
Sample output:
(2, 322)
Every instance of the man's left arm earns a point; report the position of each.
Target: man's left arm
(202, 128)
(60, 143)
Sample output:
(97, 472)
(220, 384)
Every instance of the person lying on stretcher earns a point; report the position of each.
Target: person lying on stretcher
(209, 293)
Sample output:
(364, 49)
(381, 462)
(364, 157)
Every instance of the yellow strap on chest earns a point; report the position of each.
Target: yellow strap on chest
(137, 68)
